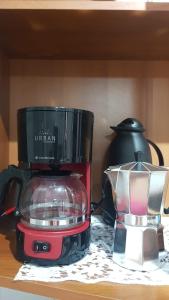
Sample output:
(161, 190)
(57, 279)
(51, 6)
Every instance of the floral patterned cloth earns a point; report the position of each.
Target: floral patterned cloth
(98, 264)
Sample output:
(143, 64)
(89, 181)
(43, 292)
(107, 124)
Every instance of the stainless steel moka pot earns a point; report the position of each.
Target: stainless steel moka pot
(138, 191)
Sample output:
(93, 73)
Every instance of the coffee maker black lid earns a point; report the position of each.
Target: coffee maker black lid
(54, 135)
(52, 108)
(129, 124)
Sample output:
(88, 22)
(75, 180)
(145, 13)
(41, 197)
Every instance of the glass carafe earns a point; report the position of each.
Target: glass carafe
(54, 202)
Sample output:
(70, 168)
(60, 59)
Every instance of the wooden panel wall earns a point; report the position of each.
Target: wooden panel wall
(4, 111)
(113, 90)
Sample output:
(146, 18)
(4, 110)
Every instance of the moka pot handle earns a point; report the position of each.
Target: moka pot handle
(158, 151)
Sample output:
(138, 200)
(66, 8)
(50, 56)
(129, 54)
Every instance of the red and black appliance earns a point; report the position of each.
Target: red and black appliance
(54, 180)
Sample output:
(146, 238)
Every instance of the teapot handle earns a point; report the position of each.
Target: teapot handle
(161, 163)
(158, 151)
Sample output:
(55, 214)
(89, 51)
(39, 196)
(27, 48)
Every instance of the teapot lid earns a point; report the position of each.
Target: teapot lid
(129, 124)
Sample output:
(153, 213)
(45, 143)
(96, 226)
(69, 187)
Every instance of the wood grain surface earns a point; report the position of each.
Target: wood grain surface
(84, 29)
(4, 111)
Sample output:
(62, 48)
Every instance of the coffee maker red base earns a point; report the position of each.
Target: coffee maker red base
(52, 247)
(59, 247)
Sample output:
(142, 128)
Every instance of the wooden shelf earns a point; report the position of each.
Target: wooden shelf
(65, 290)
(84, 29)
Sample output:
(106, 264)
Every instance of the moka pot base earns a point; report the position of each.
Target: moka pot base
(138, 247)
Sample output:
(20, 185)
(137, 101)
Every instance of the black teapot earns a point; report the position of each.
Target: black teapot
(129, 140)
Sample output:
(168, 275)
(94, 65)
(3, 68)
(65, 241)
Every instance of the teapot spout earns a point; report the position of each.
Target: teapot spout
(112, 173)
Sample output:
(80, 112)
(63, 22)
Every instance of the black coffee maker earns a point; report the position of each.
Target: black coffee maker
(127, 142)
(51, 184)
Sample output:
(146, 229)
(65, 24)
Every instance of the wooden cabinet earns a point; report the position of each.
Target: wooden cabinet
(111, 57)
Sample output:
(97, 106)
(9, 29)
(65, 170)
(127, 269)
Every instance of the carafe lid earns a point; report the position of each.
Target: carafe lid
(54, 173)
(129, 124)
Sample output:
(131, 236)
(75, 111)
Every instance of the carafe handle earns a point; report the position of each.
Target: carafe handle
(158, 151)
(12, 173)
